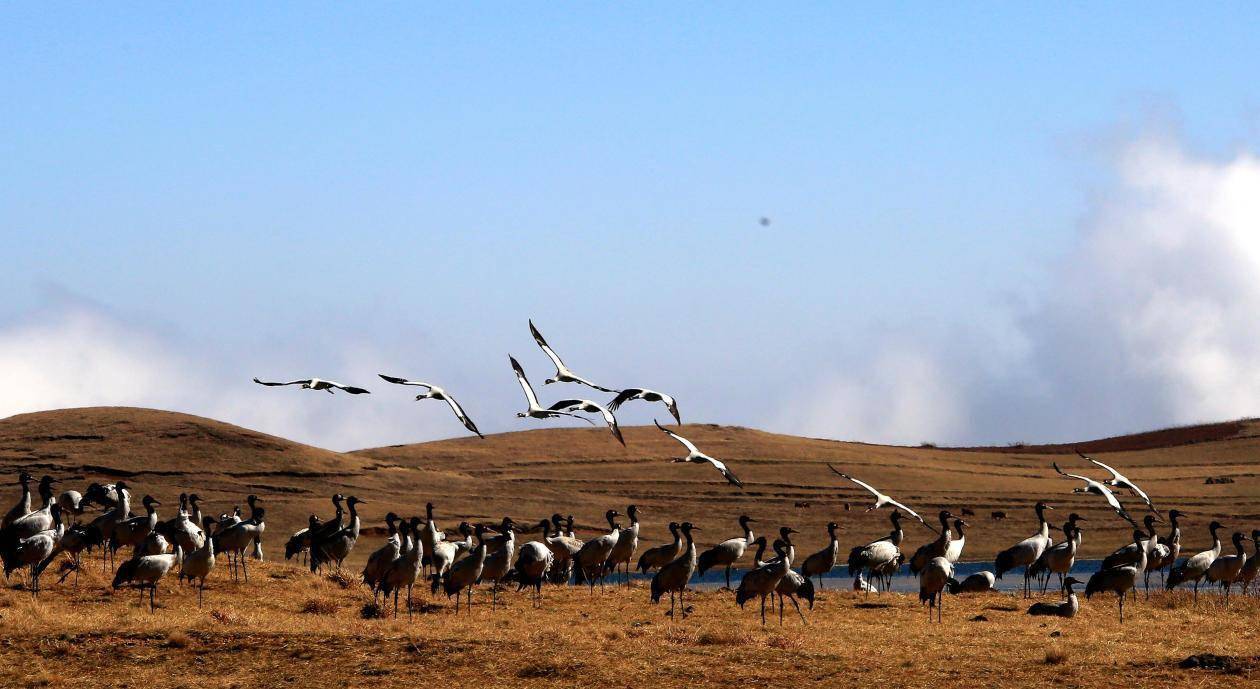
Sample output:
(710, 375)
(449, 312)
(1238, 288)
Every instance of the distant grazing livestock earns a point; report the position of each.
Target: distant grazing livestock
(968, 512)
(997, 516)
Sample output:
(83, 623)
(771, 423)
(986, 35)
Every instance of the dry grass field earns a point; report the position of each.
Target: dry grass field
(288, 627)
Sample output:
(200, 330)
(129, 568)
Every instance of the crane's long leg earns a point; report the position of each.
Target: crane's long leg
(780, 609)
(728, 577)
(1122, 608)
(798, 611)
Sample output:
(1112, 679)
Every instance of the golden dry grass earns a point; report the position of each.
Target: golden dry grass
(259, 635)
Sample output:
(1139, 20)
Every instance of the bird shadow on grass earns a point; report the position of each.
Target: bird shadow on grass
(872, 606)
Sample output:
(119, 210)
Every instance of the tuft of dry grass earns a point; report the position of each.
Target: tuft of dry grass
(341, 578)
(178, 639)
(319, 606)
(1056, 655)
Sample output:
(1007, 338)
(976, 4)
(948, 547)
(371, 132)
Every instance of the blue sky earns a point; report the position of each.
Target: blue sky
(322, 190)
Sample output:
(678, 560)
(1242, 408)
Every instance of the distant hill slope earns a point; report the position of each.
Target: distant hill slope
(531, 474)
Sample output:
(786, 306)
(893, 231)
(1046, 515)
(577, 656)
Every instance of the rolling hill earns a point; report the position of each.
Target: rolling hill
(533, 473)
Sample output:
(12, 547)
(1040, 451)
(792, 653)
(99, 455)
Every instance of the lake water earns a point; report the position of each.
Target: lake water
(904, 581)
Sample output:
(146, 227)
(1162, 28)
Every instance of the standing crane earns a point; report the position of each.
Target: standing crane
(589, 561)
(822, 562)
(1120, 580)
(764, 580)
(1026, 552)
(878, 556)
(198, 563)
(660, 555)
(674, 576)
(933, 549)
(1196, 567)
(627, 543)
(1226, 568)
(936, 575)
(728, 552)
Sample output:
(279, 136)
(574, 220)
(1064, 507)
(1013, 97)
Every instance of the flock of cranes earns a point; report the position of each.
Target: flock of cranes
(418, 551)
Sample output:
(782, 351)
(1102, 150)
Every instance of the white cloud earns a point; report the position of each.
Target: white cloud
(1151, 318)
(75, 354)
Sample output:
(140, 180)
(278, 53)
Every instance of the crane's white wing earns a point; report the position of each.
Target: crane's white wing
(720, 466)
(908, 511)
(686, 443)
(1115, 475)
(866, 486)
(403, 381)
(542, 344)
(459, 413)
(520, 378)
(304, 381)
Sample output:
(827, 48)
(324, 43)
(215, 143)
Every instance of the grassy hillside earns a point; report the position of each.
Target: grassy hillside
(533, 473)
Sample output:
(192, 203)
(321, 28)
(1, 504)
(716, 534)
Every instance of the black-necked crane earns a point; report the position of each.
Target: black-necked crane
(533, 409)
(1226, 568)
(980, 582)
(200, 562)
(532, 564)
(1093, 487)
(1065, 608)
(430, 536)
(499, 552)
(792, 584)
(433, 392)
(728, 552)
(1060, 557)
(446, 552)
(876, 557)
(132, 532)
(590, 407)
(182, 529)
(1172, 543)
(335, 547)
(563, 549)
(936, 548)
(675, 575)
(647, 396)
(300, 542)
(821, 563)
(23, 506)
(35, 521)
(1156, 554)
(381, 559)
(1195, 567)
(1119, 480)
(1026, 552)
(563, 374)
(317, 384)
(464, 574)
(1252, 566)
(235, 538)
(73, 542)
(881, 500)
(120, 497)
(30, 551)
(145, 571)
(957, 543)
(764, 580)
(658, 556)
(405, 569)
(588, 563)
(1119, 580)
(694, 455)
(936, 575)
(72, 504)
(627, 544)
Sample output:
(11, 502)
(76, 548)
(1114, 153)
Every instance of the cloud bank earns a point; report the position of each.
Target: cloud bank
(1151, 318)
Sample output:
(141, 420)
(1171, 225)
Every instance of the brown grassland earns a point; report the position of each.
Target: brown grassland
(259, 635)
